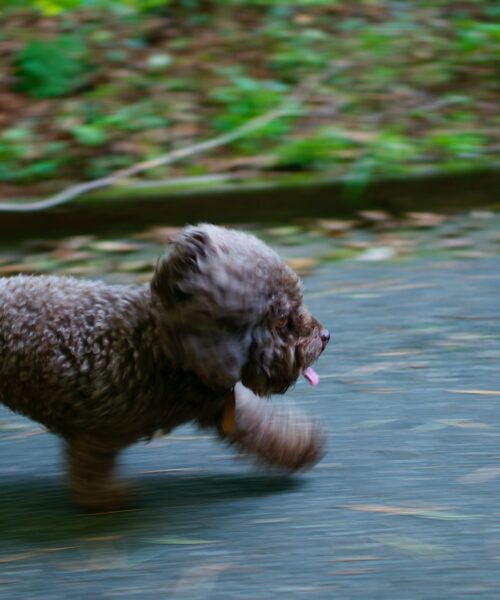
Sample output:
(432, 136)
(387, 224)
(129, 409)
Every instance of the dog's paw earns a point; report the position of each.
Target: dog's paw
(283, 439)
(114, 496)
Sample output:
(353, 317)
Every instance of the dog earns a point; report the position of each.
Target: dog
(220, 327)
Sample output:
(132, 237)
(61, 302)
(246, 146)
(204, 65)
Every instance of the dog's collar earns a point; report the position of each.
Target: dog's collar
(228, 422)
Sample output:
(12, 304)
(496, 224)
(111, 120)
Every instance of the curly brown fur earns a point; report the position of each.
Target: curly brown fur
(105, 366)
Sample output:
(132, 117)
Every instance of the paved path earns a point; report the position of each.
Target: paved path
(404, 506)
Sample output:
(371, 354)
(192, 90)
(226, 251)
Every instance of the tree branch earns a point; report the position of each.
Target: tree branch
(288, 108)
(167, 159)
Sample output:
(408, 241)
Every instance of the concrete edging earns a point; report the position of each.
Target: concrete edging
(280, 199)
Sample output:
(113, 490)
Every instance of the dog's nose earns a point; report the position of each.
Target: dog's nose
(325, 336)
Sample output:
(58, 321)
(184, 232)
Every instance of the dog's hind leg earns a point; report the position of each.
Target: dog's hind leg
(92, 482)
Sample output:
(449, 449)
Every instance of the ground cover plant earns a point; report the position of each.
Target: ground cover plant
(88, 87)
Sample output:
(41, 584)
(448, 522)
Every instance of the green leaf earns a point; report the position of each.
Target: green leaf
(89, 135)
(52, 68)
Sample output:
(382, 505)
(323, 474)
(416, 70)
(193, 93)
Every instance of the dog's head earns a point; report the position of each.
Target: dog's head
(231, 310)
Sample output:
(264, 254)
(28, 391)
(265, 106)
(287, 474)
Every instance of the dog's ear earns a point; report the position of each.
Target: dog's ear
(191, 245)
(216, 357)
(188, 249)
(202, 302)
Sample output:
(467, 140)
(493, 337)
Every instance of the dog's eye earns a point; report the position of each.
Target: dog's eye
(282, 322)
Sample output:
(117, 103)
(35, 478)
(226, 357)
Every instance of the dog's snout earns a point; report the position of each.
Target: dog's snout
(325, 336)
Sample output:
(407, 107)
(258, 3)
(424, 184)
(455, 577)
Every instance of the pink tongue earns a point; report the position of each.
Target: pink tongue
(311, 376)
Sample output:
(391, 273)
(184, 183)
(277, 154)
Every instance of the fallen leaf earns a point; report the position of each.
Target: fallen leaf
(356, 244)
(472, 254)
(465, 424)
(32, 554)
(284, 231)
(135, 266)
(358, 571)
(15, 557)
(455, 243)
(394, 240)
(76, 242)
(476, 392)
(374, 216)
(483, 215)
(302, 265)
(408, 511)
(381, 253)
(178, 541)
(18, 269)
(480, 475)
(336, 226)
(424, 219)
(78, 270)
(409, 286)
(173, 470)
(69, 255)
(160, 235)
(115, 246)
(340, 253)
(103, 538)
(430, 426)
(410, 545)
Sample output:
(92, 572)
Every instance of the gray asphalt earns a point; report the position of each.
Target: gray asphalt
(404, 506)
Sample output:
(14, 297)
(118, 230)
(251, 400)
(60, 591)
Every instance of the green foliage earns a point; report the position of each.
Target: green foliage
(390, 152)
(51, 7)
(311, 48)
(422, 78)
(286, 3)
(54, 7)
(243, 99)
(100, 166)
(21, 159)
(474, 37)
(97, 128)
(15, 144)
(458, 144)
(321, 150)
(138, 117)
(52, 68)
(89, 135)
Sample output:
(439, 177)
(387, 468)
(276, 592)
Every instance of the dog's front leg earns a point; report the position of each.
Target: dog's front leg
(92, 482)
(285, 439)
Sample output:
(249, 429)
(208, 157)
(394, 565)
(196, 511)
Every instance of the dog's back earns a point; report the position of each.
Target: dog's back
(59, 340)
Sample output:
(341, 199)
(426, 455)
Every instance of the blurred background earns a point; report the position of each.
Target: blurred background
(359, 139)
(372, 87)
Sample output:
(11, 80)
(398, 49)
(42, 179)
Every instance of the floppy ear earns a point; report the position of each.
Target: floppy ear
(216, 357)
(202, 307)
(188, 249)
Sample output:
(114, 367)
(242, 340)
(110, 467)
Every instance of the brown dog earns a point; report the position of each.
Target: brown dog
(221, 325)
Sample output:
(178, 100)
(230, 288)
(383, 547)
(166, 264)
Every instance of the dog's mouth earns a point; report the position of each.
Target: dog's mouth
(311, 376)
